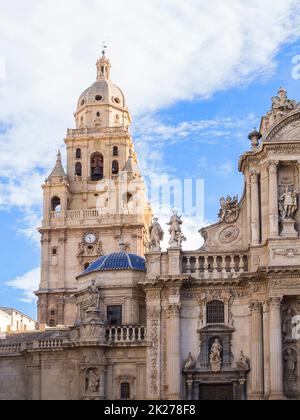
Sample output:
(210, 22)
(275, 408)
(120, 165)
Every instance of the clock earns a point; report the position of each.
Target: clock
(90, 238)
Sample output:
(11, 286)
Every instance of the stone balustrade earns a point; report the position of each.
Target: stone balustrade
(125, 334)
(50, 344)
(97, 130)
(217, 266)
(10, 348)
(75, 217)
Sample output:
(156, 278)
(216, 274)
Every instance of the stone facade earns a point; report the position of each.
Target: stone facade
(221, 322)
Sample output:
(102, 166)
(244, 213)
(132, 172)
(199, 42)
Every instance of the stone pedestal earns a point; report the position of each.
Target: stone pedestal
(174, 255)
(92, 328)
(288, 229)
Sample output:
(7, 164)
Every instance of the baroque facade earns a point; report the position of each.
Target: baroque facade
(121, 319)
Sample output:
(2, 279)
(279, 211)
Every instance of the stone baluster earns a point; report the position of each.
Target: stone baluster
(242, 264)
(273, 199)
(197, 268)
(206, 271)
(257, 369)
(232, 265)
(215, 268)
(255, 212)
(188, 265)
(276, 369)
(224, 267)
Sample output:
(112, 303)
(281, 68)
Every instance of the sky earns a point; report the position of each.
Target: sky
(197, 77)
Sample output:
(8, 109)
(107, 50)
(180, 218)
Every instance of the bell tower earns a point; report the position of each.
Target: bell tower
(99, 201)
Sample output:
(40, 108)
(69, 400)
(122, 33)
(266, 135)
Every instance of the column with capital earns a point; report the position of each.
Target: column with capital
(255, 212)
(174, 352)
(257, 367)
(276, 369)
(273, 199)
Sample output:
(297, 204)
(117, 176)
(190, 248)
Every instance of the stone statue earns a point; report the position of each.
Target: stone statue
(281, 105)
(80, 249)
(230, 209)
(243, 363)
(94, 298)
(190, 363)
(156, 235)
(216, 356)
(177, 236)
(93, 381)
(290, 363)
(288, 204)
(288, 325)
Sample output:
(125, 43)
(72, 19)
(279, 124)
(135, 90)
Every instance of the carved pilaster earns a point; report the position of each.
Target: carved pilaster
(153, 299)
(257, 373)
(174, 352)
(255, 212)
(273, 199)
(276, 369)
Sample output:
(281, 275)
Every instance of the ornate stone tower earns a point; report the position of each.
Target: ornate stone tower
(96, 204)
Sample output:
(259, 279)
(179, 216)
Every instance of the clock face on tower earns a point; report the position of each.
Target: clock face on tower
(90, 238)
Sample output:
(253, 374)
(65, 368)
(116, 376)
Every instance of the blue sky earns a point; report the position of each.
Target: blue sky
(196, 84)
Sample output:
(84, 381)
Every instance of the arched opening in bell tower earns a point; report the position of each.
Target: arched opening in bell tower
(56, 204)
(97, 167)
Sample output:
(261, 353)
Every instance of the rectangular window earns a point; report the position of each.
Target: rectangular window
(114, 315)
(125, 391)
(54, 251)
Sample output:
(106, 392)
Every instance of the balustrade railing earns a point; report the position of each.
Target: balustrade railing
(97, 130)
(206, 266)
(50, 344)
(125, 334)
(10, 348)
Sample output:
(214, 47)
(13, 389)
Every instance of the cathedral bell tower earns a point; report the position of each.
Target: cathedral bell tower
(98, 202)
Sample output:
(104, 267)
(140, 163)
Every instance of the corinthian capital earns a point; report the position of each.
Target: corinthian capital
(273, 165)
(256, 306)
(275, 301)
(174, 309)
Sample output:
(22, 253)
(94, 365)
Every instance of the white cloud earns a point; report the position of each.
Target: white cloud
(161, 52)
(28, 283)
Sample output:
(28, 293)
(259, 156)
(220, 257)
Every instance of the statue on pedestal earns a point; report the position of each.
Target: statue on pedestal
(94, 298)
(177, 236)
(216, 356)
(288, 204)
(156, 235)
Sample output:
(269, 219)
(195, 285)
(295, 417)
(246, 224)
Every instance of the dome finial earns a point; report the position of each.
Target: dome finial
(103, 66)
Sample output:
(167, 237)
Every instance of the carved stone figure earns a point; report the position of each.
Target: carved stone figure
(80, 249)
(92, 381)
(288, 325)
(243, 363)
(290, 363)
(190, 363)
(288, 204)
(281, 105)
(216, 356)
(230, 209)
(177, 236)
(94, 298)
(156, 235)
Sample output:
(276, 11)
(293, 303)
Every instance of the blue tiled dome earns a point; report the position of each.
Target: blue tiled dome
(117, 261)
